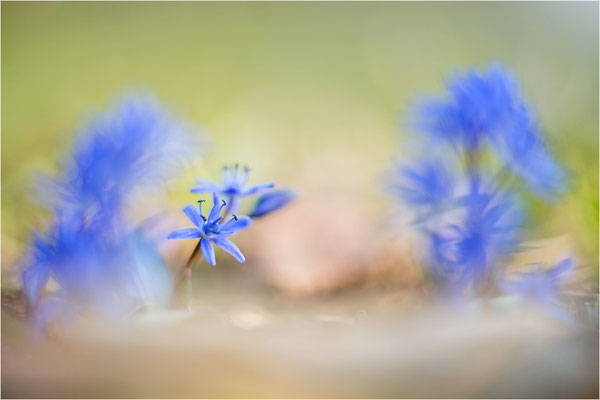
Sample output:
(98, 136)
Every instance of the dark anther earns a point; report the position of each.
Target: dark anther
(234, 217)
(224, 202)
(203, 217)
(201, 201)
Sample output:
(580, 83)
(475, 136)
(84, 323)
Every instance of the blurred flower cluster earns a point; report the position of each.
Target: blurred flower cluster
(100, 262)
(477, 137)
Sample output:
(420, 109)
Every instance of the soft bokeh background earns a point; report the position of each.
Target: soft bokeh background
(307, 94)
(312, 96)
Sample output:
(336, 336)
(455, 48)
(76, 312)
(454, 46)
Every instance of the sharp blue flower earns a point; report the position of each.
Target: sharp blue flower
(212, 230)
(272, 201)
(233, 186)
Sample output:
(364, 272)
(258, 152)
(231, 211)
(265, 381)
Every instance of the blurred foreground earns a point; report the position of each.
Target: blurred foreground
(359, 342)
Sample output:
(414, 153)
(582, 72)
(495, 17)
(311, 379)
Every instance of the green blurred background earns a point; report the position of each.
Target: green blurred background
(309, 94)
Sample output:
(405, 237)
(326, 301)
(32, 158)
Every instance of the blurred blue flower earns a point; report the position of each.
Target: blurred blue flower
(465, 252)
(272, 201)
(91, 266)
(525, 154)
(469, 221)
(90, 249)
(427, 183)
(136, 144)
(540, 285)
(212, 230)
(476, 104)
(488, 107)
(233, 186)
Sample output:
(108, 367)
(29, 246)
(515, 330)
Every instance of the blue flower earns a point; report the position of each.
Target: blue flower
(488, 107)
(470, 220)
(540, 285)
(93, 266)
(212, 230)
(476, 105)
(272, 201)
(526, 155)
(90, 249)
(137, 144)
(233, 186)
(428, 183)
(465, 252)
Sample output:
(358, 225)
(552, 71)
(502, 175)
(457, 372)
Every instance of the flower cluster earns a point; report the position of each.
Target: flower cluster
(471, 217)
(211, 229)
(90, 249)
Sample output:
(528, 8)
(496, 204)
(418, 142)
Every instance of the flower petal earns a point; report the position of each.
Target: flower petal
(205, 186)
(233, 226)
(215, 211)
(185, 233)
(208, 251)
(256, 189)
(271, 201)
(243, 177)
(193, 214)
(226, 176)
(229, 247)
(234, 204)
